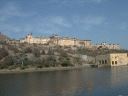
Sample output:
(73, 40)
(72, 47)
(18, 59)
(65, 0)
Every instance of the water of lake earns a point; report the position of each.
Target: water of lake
(80, 82)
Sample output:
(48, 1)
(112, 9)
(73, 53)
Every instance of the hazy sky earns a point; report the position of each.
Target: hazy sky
(97, 20)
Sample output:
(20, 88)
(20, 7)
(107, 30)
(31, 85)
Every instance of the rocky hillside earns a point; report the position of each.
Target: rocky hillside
(25, 55)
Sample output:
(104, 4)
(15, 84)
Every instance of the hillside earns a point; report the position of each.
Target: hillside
(25, 55)
(38, 56)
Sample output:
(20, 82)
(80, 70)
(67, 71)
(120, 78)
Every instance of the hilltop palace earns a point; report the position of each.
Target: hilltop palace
(66, 41)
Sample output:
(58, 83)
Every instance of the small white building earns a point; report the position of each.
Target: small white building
(109, 46)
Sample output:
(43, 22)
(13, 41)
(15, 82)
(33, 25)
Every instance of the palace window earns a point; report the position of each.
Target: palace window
(112, 62)
(102, 61)
(99, 61)
(115, 62)
(105, 61)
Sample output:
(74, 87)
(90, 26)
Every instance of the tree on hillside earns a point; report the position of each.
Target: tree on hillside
(3, 53)
(36, 52)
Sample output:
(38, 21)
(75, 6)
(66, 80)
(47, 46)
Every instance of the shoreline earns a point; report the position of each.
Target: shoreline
(7, 71)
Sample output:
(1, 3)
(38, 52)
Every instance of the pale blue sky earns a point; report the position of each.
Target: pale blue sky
(97, 20)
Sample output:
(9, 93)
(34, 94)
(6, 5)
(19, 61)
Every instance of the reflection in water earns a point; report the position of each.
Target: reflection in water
(89, 87)
(119, 76)
(80, 82)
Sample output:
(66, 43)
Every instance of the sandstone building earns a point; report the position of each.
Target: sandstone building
(112, 59)
(67, 41)
(57, 40)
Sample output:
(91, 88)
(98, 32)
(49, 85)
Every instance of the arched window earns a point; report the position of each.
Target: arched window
(102, 61)
(105, 61)
(112, 62)
(115, 62)
(99, 61)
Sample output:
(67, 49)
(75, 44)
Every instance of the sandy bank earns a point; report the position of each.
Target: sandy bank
(6, 71)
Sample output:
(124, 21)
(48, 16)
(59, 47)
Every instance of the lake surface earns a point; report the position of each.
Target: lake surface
(78, 82)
